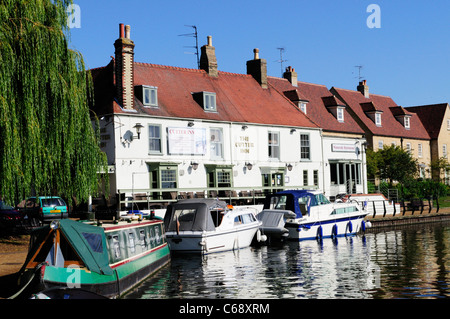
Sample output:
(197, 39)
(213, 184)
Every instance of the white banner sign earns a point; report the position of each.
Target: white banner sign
(186, 140)
(350, 148)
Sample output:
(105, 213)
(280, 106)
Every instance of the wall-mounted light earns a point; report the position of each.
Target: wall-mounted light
(293, 130)
(138, 128)
(244, 127)
(194, 165)
(190, 124)
(289, 167)
(249, 166)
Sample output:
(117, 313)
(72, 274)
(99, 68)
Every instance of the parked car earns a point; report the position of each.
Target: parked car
(45, 208)
(9, 216)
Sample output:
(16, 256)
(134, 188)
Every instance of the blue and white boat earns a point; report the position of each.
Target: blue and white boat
(306, 214)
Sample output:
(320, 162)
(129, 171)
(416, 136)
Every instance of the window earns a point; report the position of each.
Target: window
(154, 133)
(209, 101)
(303, 107)
(380, 144)
(316, 177)
(305, 178)
(378, 119)
(419, 150)
(444, 150)
(169, 178)
(407, 122)
(340, 114)
(274, 145)
(305, 148)
(448, 124)
(216, 143)
(148, 95)
(408, 148)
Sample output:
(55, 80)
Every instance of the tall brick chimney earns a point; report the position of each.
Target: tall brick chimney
(258, 69)
(124, 68)
(208, 61)
(363, 88)
(290, 75)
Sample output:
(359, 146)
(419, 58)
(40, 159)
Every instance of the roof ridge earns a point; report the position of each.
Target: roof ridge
(354, 91)
(170, 67)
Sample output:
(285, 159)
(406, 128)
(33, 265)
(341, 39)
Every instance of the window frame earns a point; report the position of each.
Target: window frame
(152, 138)
(305, 155)
(273, 145)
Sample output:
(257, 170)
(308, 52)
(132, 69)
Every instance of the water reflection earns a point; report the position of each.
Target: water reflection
(403, 263)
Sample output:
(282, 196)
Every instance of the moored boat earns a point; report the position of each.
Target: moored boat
(305, 214)
(208, 226)
(107, 259)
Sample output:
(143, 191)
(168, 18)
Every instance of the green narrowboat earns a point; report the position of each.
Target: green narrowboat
(106, 259)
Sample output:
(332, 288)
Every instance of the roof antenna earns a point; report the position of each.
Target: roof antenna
(194, 35)
(281, 59)
(359, 72)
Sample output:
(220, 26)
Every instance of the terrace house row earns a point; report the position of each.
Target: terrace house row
(173, 132)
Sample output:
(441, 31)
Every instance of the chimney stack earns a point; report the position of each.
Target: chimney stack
(208, 61)
(258, 69)
(290, 75)
(124, 68)
(363, 88)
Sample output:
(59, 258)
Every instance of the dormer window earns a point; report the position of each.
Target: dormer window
(340, 114)
(302, 106)
(378, 119)
(207, 100)
(148, 95)
(407, 122)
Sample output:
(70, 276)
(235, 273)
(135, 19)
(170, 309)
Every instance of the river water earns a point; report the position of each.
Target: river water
(407, 262)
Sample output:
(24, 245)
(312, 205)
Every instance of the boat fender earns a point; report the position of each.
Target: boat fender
(334, 232)
(363, 226)
(319, 233)
(349, 228)
(368, 224)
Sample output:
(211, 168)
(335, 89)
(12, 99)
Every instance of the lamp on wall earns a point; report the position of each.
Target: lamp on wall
(249, 166)
(138, 128)
(289, 167)
(244, 127)
(190, 124)
(194, 165)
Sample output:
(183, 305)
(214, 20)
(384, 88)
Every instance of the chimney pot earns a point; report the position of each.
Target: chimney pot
(127, 32)
(256, 53)
(121, 30)
(209, 41)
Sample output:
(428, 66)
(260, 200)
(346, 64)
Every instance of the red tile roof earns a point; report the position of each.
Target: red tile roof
(239, 97)
(318, 97)
(431, 116)
(390, 126)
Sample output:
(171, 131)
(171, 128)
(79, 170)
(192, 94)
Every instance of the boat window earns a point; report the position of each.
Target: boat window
(321, 199)
(237, 220)
(94, 241)
(278, 202)
(131, 244)
(248, 218)
(217, 216)
(143, 238)
(116, 246)
(343, 210)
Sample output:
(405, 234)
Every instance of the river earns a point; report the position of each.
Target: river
(408, 262)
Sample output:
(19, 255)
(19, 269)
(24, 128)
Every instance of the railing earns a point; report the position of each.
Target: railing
(161, 197)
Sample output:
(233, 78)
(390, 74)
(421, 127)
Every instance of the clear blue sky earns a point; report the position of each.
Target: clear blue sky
(407, 58)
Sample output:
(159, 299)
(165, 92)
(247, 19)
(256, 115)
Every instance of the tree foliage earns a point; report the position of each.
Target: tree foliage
(47, 142)
(391, 163)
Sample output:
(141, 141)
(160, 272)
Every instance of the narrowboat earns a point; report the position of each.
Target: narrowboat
(306, 214)
(105, 259)
(209, 225)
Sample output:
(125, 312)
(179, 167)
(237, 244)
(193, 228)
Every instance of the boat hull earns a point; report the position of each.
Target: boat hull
(301, 229)
(211, 241)
(124, 277)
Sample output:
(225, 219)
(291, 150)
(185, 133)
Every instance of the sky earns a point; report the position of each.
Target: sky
(403, 46)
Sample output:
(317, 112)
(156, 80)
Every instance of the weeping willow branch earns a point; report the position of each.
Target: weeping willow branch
(47, 142)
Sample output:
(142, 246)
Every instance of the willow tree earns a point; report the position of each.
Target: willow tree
(47, 141)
